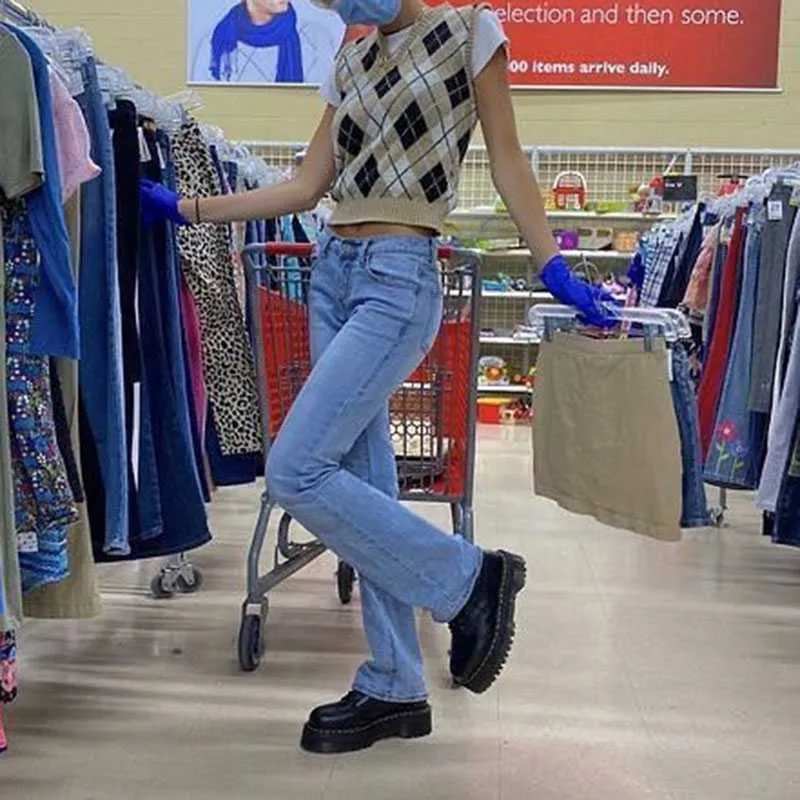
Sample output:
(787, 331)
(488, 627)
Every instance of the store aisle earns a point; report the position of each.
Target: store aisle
(642, 671)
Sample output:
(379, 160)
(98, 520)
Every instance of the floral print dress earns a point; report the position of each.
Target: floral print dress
(733, 459)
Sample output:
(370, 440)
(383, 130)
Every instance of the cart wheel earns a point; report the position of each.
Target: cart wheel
(251, 644)
(160, 589)
(717, 518)
(345, 581)
(190, 580)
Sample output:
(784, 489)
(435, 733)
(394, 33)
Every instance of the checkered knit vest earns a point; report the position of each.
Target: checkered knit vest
(405, 122)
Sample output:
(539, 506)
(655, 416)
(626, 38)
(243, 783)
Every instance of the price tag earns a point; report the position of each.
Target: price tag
(162, 162)
(27, 543)
(795, 198)
(775, 210)
(144, 150)
(670, 365)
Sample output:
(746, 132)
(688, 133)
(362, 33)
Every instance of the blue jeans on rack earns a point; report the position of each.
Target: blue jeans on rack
(734, 457)
(174, 480)
(102, 395)
(695, 504)
(375, 309)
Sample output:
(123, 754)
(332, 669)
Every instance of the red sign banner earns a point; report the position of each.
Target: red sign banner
(713, 45)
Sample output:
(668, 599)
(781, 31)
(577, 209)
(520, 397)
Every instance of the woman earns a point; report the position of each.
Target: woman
(402, 104)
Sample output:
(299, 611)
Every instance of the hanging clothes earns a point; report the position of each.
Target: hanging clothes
(78, 595)
(21, 172)
(767, 323)
(54, 329)
(734, 457)
(717, 358)
(43, 502)
(104, 448)
(206, 261)
(694, 512)
(169, 493)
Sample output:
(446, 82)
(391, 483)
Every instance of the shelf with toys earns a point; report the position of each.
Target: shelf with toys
(598, 239)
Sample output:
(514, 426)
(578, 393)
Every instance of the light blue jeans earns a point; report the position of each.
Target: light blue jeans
(375, 309)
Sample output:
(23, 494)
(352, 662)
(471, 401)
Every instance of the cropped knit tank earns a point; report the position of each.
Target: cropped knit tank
(405, 122)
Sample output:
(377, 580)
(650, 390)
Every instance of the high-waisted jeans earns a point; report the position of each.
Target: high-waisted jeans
(375, 309)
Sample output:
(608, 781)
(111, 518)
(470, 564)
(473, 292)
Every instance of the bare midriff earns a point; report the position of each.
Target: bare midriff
(371, 230)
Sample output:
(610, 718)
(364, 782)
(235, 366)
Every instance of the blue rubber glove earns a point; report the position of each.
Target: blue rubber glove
(159, 204)
(593, 302)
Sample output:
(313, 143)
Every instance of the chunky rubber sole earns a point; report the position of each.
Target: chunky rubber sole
(512, 583)
(404, 725)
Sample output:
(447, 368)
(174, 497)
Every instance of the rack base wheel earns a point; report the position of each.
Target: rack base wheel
(345, 581)
(178, 575)
(161, 587)
(190, 580)
(716, 517)
(251, 639)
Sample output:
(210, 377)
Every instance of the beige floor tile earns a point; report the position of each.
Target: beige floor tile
(642, 671)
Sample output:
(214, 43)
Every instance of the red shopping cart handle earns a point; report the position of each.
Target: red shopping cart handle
(296, 249)
(304, 250)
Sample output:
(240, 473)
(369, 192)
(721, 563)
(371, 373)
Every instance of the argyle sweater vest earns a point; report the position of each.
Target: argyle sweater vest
(405, 122)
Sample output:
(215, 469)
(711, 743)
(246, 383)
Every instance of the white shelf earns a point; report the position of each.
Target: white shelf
(611, 216)
(591, 255)
(488, 214)
(514, 295)
(505, 340)
(500, 295)
(493, 389)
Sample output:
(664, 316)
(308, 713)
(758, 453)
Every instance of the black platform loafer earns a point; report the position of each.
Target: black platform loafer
(483, 632)
(357, 722)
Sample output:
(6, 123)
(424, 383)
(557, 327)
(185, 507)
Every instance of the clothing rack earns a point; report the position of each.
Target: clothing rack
(752, 198)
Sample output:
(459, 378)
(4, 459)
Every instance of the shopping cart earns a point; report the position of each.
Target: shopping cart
(432, 414)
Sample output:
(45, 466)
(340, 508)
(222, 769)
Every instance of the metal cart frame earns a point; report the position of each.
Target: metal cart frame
(434, 465)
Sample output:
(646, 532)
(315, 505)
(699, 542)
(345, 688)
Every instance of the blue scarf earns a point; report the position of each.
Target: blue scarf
(280, 32)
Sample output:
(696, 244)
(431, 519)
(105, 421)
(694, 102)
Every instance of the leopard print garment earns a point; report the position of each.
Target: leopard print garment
(207, 263)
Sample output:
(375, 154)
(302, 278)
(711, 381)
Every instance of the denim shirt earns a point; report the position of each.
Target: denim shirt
(55, 320)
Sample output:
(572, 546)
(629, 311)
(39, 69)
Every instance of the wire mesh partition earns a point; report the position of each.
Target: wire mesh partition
(610, 172)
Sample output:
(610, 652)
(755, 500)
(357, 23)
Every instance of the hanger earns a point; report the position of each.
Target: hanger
(544, 318)
(189, 99)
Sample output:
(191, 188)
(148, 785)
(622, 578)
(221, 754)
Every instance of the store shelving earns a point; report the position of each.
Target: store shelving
(486, 222)
(514, 341)
(505, 310)
(522, 254)
(495, 388)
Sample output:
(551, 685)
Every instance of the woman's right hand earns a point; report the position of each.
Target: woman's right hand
(159, 204)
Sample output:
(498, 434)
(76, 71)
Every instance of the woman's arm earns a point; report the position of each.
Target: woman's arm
(511, 169)
(301, 193)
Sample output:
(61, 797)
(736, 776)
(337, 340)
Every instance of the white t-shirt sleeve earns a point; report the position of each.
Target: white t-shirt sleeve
(330, 94)
(489, 38)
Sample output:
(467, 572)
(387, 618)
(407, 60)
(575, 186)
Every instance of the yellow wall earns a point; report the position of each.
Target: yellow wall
(147, 37)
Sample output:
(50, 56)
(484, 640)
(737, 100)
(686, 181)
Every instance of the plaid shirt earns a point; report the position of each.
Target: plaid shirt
(660, 249)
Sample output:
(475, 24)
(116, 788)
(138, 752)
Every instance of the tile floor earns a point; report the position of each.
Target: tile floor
(642, 671)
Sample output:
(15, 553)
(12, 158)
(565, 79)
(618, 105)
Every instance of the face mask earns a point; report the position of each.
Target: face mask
(363, 12)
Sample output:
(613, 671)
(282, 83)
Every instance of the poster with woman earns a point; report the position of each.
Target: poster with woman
(261, 42)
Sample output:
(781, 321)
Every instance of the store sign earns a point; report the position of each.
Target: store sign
(713, 45)
(680, 188)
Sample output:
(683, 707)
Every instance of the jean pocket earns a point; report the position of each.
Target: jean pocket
(399, 269)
